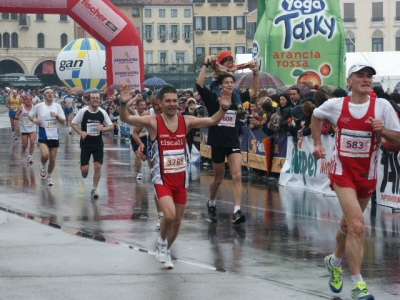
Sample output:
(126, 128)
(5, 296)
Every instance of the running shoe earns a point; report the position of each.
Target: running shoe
(158, 225)
(161, 253)
(15, 138)
(43, 173)
(168, 264)
(49, 182)
(94, 194)
(84, 175)
(212, 213)
(238, 218)
(23, 150)
(360, 292)
(336, 281)
(139, 176)
(70, 130)
(29, 160)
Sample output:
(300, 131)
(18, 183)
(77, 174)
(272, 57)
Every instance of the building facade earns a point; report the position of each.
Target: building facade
(29, 40)
(371, 25)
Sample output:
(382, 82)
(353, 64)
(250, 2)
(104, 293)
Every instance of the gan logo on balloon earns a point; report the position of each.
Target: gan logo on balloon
(82, 64)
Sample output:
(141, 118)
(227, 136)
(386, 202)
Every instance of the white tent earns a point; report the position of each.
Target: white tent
(386, 64)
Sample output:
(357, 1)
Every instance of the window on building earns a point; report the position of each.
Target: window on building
(63, 18)
(6, 40)
(213, 23)
(187, 32)
(39, 17)
(348, 12)
(163, 58)
(149, 57)
(200, 53)
(23, 20)
(350, 45)
(240, 50)
(377, 12)
(200, 23)
(147, 13)
(219, 23)
(179, 57)
(1, 41)
(14, 16)
(40, 40)
(225, 23)
(251, 30)
(162, 31)
(14, 40)
(174, 32)
(350, 41)
(199, 1)
(135, 12)
(239, 23)
(377, 41)
(148, 32)
(397, 10)
(174, 13)
(5, 16)
(64, 40)
(161, 13)
(398, 40)
(217, 50)
(187, 13)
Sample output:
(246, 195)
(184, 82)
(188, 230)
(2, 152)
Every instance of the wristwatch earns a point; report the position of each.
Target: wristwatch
(255, 73)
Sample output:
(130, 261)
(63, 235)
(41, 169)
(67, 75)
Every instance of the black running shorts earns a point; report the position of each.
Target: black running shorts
(97, 152)
(218, 154)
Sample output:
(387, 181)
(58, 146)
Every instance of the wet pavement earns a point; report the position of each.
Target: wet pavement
(287, 234)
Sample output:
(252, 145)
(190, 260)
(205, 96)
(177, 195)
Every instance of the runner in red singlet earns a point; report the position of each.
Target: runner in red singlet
(167, 132)
(361, 122)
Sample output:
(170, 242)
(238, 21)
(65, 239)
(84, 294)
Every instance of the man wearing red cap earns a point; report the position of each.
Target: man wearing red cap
(224, 139)
(361, 120)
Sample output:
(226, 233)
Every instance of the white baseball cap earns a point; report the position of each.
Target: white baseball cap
(359, 66)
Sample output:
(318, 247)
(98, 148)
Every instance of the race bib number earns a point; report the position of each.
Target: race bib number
(174, 161)
(355, 143)
(229, 119)
(51, 124)
(26, 121)
(91, 129)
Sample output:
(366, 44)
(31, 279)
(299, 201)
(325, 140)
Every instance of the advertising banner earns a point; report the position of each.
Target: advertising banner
(35, 3)
(126, 66)
(280, 149)
(301, 40)
(303, 170)
(48, 67)
(388, 189)
(256, 151)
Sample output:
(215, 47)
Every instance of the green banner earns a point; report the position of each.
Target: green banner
(301, 40)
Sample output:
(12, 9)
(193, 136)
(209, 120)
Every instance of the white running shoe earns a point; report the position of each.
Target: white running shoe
(168, 264)
(161, 253)
(94, 194)
(29, 160)
(139, 176)
(49, 181)
(43, 173)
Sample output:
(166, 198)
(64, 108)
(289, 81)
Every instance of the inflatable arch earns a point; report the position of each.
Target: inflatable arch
(106, 23)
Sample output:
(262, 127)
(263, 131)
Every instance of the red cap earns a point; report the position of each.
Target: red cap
(224, 54)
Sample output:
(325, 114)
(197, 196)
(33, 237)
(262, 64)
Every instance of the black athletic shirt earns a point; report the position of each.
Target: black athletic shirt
(89, 122)
(221, 136)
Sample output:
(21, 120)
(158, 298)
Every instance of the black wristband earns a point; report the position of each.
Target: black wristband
(57, 117)
(255, 73)
(206, 65)
(224, 109)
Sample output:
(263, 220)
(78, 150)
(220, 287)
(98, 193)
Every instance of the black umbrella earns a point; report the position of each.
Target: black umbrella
(115, 86)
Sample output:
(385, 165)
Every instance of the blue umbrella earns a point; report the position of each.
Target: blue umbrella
(93, 90)
(154, 82)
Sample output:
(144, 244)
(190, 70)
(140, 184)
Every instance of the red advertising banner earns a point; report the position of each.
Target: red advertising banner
(48, 67)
